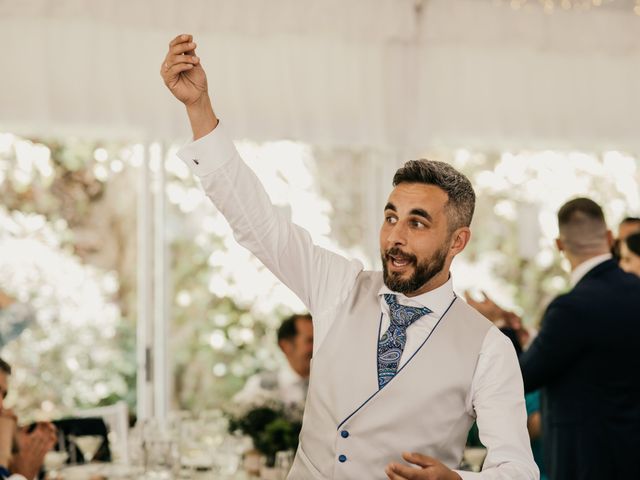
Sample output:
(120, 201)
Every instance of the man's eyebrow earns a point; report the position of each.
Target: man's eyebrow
(421, 213)
(390, 206)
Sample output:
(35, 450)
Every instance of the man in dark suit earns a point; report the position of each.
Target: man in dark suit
(586, 359)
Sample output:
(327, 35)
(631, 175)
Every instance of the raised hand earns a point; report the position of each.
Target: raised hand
(184, 76)
(182, 72)
(429, 469)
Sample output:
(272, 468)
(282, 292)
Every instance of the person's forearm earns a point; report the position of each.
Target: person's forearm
(202, 118)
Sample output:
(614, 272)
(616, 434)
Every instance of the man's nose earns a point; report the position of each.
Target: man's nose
(397, 235)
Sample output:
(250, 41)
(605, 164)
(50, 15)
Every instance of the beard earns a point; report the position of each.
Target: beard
(423, 271)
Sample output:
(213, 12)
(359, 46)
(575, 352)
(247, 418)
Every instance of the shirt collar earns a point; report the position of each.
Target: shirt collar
(585, 267)
(437, 300)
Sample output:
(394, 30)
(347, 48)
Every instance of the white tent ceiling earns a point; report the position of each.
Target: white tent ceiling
(399, 74)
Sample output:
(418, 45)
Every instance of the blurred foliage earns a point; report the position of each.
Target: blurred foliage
(271, 427)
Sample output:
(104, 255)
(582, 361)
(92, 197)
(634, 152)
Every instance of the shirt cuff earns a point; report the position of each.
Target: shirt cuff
(209, 153)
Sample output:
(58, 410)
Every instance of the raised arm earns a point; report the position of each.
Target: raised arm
(318, 277)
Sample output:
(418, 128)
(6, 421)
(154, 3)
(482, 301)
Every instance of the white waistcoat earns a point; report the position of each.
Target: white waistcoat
(351, 429)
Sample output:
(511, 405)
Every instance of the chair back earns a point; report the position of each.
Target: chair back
(116, 417)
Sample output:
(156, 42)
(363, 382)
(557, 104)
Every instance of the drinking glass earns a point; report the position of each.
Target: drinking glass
(53, 462)
(88, 445)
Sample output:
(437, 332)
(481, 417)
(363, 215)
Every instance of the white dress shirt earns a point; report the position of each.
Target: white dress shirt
(323, 279)
(284, 385)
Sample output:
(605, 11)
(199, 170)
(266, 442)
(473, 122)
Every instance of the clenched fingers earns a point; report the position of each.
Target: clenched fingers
(182, 48)
(182, 38)
(396, 471)
(172, 60)
(181, 53)
(419, 459)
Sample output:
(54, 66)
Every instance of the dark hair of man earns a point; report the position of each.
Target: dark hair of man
(630, 220)
(462, 198)
(288, 329)
(633, 243)
(5, 367)
(582, 227)
(580, 208)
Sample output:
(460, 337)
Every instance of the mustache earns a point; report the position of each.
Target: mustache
(396, 252)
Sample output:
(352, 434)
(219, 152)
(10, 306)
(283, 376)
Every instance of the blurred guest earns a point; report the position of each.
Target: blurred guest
(290, 383)
(628, 226)
(630, 254)
(509, 323)
(534, 427)
(22, 450)
(584, 357)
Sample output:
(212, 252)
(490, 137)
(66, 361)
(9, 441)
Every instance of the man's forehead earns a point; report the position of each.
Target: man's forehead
(303, 323)
(625, 229)
(418, 195)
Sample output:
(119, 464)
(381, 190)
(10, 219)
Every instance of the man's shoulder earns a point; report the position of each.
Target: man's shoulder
(470, 314)
(367, 284)
(265, 380)
(605, 281)
(370, 278)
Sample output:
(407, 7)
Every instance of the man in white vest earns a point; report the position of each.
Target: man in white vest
(400, 363)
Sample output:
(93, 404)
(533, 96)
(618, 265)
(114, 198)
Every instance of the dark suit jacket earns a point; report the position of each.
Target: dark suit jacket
(586, 359)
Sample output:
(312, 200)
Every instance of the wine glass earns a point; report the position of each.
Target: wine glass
(88, 445)
(53, 462)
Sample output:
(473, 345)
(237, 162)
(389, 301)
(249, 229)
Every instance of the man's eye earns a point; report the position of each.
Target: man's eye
(417, 224)
(390, 219)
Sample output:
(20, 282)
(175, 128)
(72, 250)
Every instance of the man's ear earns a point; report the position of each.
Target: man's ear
(559, 245)
(286, 346)
(459, 240)
(610, 239)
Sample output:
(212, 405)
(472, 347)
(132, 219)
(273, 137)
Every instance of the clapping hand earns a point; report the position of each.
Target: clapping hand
(32, 448)
(486, 307)
(429, 469)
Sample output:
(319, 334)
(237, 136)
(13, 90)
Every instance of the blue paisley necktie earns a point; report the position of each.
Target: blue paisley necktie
(391, 344)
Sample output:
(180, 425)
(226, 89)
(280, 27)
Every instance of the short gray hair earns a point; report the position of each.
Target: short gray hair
(462, 198)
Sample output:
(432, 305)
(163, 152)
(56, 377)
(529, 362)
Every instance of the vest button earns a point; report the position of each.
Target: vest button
(344, 434)
(342, 458)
